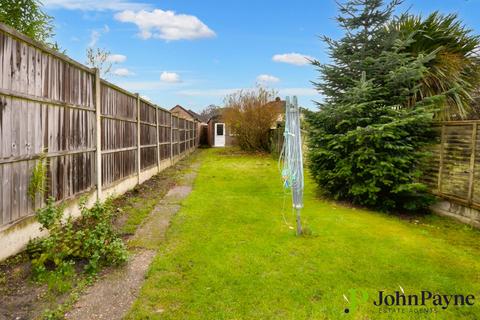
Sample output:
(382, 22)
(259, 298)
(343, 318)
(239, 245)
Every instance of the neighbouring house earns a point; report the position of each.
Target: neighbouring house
(189, 114)
(220, 135)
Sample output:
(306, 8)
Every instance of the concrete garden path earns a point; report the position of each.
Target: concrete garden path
(112, 295)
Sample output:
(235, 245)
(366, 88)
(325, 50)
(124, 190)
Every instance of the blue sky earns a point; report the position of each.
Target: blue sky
(192, 53)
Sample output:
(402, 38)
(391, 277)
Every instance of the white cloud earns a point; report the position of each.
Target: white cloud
(116, 58)
(145, 97)
(122, 72)
(166, 25)
(96, 34)
(170, 77)
(292, 58)
(266, 78)
(94, 37)
(95, 5)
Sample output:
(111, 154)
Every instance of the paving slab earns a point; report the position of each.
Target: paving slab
(111, 296)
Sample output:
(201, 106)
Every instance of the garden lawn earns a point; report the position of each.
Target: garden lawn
(230, 255)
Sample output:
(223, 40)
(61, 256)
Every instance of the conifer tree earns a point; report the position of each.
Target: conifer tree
(367, 141)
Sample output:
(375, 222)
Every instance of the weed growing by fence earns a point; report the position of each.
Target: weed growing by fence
(38, 180)
(90, 240)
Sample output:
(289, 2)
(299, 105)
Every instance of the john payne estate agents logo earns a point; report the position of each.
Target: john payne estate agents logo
(355, 297)
(398, 301)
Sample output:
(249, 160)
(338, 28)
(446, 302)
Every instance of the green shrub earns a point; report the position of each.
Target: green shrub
(367, 141)
(378, 164)
(90, 239)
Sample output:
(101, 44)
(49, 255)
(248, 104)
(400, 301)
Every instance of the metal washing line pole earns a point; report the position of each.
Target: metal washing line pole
(292, 159)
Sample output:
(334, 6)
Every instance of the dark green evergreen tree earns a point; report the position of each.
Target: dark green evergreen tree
(365, 37)
(367, 141)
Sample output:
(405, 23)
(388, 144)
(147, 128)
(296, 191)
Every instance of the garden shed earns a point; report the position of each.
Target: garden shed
(219, 134)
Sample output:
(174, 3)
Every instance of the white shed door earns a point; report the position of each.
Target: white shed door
(219, 134)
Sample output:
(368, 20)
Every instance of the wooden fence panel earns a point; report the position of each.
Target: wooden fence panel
(118, 165)
(148, 156)
(116, 103)
(70, 175)
(476, 169)
(175, 136)
(164, 133)
(453, 171)
(181, 130)
(31, 71)
(192, 134)
(456, 161)
(119, 134)
(147, 112)
(46, 107)
(148, 135)
(50, 105)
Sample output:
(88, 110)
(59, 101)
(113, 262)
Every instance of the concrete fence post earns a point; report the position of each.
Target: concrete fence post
(179, 136)
(138, 139)
(98, 134)
(171, 138)
(158, 138)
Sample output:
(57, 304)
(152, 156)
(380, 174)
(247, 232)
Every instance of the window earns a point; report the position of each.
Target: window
(219, 129)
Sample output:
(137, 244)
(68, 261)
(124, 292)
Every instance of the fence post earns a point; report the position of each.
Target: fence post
(138, 138)
(158, 139)
(179, 137)
(171, 138)
(98, 133)
(440, 166)
(472, 162)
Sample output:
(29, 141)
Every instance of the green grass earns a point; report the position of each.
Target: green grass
(138, 210)
(230, 255)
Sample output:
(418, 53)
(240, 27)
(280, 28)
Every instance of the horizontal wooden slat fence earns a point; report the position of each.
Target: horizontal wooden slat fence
(93, 133)
(454, 171)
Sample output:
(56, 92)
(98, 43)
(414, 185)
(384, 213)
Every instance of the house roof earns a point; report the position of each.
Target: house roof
(278, 103)
(193, 114)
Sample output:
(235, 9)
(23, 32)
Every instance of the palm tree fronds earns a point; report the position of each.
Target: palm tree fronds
(455, 69)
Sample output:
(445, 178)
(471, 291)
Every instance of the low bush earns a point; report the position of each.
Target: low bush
(250, 115)
(90, 240)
